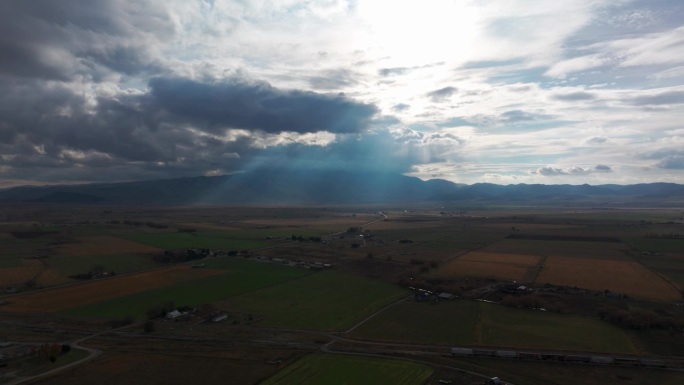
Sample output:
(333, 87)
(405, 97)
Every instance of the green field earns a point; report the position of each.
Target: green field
(241, 276)
(209, 240)
(464, 322)
(119, 263)
(326, 301)
(506, 326)
(671, 266)
(657, 245)
(451, 322)
(322, 369)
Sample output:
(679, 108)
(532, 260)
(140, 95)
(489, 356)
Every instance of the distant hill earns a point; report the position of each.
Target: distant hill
(286, 186)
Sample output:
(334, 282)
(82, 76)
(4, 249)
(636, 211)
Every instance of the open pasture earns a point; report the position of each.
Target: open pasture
(464, 322)
(60, 298)
(118, 263)
(625, 277)
(103, 245)
(323, 369)
(589, 250)
(526, 226)
(209, 240)
(656, 244)
(671, 265)
(238, 276)
(486, 264)
(393, 223)
(443, 323)
(327, 300)
(523, 328)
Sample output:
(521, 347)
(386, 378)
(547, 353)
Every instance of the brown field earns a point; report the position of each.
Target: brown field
(401, 225)
(179, 365)
(504, 258)
(104, 244)
(342, 222)
(31, 269)
(625, 277)
(531, 226)
(65, 297)
(481, 264)
(6, 236)
(605, 250)
(208, 226)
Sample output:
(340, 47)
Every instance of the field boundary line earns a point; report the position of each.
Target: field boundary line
(375, 313)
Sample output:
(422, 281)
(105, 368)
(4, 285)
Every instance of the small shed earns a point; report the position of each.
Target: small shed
(173, 314)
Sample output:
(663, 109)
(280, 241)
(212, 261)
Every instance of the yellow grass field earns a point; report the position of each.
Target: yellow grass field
(399, 225)
(103, 245)
(625, 277)
(60, 298)
(530, 226)
(341, 222)
(31, 269)
(482, 264)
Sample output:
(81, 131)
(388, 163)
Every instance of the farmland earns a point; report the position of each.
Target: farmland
(301, 280)
(209, 240)
(629, 278)
(227, 279)
(319, 369)
(326, 301)
(97, 291)
(500, 265)
(469, 322)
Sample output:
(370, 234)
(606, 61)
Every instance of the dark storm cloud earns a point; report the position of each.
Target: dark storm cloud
(52, 132)
(441, 94)
(56, 40)
(254, 105)
(575, 96)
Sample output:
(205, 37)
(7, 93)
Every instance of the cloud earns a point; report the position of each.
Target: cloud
(674, 162)
(596, 140)
(659, 98)
(256, 105)
(59, 40)
(563, 68)
(573, 170)
(574, 96)
(441, 94)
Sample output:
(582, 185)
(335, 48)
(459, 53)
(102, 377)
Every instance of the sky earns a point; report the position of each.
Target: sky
(506, 92)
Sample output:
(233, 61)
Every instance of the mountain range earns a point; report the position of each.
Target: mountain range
(285, 186)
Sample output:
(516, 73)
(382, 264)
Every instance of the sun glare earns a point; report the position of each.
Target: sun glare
(411, 33)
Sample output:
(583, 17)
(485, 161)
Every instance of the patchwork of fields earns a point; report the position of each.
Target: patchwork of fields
(271, 306)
